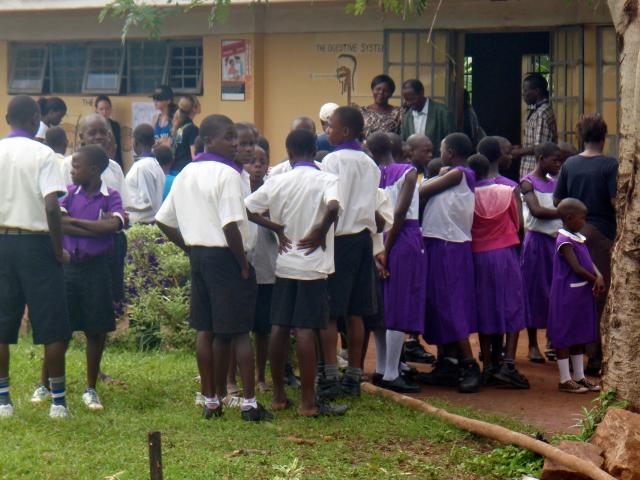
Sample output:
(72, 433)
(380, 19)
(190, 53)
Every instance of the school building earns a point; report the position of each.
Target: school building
(270, 63)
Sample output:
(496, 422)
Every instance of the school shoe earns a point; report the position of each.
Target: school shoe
(209, 413)
(91, 400)
(400, 385)
(489, 377)
(572, 386)
(445, 373)
(511, 376)
(232, 401)
(415, 352)
(40, 394)
(328, 389)
(58, 411)
(470, 378)
(325, 409)
(594, 367)
(593, 387)
(258, 414)
(6, 410)
(376, 379)
(350, 387)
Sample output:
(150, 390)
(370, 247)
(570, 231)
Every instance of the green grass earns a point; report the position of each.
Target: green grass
(377, 438)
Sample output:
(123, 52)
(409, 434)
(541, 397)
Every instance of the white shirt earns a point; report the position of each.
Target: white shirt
(145, 184)
(420, 118)
(358, 180)
(393, 191)
(42, 130)
(112, 177)
(285, 166)
(252, 231)
(298, 200)
(384, 209)
(542, 225)
(29, 172)
(206, 196)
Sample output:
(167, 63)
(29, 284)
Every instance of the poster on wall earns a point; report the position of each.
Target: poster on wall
(142, 112)
(235, 69)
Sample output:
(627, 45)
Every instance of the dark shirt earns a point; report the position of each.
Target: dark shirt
(592, 180)
(322, 143)
(185, 137)
(115, 128)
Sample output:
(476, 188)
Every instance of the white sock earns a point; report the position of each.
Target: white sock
(395, 340)
(578, 367)
(212, 402)
(563, 366)
(404, 367)
(248, 404)
(381, 350)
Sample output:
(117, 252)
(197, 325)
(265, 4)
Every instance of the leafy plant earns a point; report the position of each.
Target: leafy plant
(507, 462)
(591, 418)
(292, 471)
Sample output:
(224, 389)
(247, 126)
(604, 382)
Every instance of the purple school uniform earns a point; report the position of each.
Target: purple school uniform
(538, 250)
(78, 204)
(450, 298)
(405, 290)
(572, 306)
(501, 180)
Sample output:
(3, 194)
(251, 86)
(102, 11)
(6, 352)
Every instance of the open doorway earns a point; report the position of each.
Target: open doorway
(494, 67)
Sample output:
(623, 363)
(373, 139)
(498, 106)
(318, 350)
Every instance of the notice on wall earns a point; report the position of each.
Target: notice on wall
(142, 112)
(236, 69)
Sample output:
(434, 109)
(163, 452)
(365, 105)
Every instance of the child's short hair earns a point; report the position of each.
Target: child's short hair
(490, 148)
(460, 144)
(304, 123)
(248, 126)
(592, 128)
(433, 167)
(164, 155)
(95, 155)
(143, 134)
(263, 143)
(301, 143)
(479, 164)
(351, 118)
(570, 206)
(21, 110)
(55, 138)
(379, 144)
(260, 149)
(214, 125)
(546, 149)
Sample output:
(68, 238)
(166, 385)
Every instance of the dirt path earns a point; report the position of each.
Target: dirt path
(543, 406)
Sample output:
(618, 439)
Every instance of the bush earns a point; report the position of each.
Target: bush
(157, 292)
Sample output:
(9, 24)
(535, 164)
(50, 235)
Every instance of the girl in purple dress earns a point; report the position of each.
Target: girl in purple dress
(572, 309)
(541, 222)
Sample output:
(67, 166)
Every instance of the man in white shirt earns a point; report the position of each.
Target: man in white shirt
(304, 202)
(205, 215)
(145, 180)
(31, 254)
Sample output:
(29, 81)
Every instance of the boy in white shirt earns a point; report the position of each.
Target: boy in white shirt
(145, 180)
(31, 253)
(352, 290)
(303, 204)
(205, 215)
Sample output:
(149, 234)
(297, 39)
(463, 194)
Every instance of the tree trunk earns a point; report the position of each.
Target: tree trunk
(621, 324)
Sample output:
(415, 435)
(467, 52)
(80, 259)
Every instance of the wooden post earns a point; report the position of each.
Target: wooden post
(155, 455)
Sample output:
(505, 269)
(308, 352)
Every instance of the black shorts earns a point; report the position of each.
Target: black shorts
(300, 303)
(31, 276)
(116, 258)
(262, 324)
(89, 296)
(352, 288)
(376, 321)
(222, 301)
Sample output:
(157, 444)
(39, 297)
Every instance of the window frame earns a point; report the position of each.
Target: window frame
(90, 48)
(167, 77)
(51, 90)
(13, 49)
(613, 140)
(128, 47)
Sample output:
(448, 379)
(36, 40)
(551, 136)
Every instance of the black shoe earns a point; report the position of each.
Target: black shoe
(445, 373)
(325, 409)
(289, 377)
(376, 378)
(415, 352)
(400, 385)
(212, 412)
(594, 366)
(511, 376)
(489, 377)
(412, 372)
(350, 387)
(328, 389)
(258, 414)
(470, 379)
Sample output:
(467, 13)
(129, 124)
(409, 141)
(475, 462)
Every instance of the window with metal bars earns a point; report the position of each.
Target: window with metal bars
(608, 84)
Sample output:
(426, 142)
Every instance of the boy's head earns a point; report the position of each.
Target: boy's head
(396, 147)
(421, 148)
(52, 109)
(380, 146)
(246, 143)
(506, 158)
(549, 158)
(258, 165)
(434, 167)
(573, 214)
(219, 136)
(345, 124)
(490, 148)
(304, 123)
(87, 164)
(301, 145)
(164, 156)
(23, 113)
(480, 166)
(94, 130)
(143, 138)
(455, 148)
(56, 139)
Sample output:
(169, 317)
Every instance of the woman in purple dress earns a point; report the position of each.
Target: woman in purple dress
(572, 309)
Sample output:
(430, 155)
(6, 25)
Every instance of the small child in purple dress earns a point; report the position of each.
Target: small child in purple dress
(451, 297)
(542, 223)
(576, 281)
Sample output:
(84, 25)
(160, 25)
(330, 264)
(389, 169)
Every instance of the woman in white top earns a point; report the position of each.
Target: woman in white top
(52, 111)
